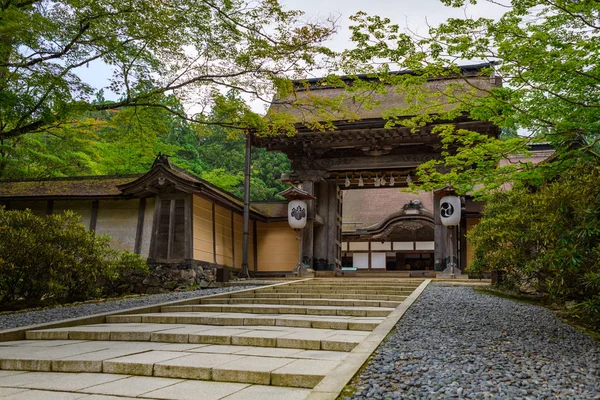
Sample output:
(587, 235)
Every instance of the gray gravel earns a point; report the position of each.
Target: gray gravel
(457, 343)
(66, 312)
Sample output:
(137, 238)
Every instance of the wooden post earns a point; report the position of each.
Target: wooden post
(244, 271)
(320, 237)
(440, 232)
(308, 231)
(332, 226)
(139, 232)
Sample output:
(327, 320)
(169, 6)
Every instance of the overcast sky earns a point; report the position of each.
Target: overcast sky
(413, 14)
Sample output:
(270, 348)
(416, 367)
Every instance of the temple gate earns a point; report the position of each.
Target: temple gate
(364, 154)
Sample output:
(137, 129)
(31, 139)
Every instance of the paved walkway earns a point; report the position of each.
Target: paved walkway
(276, 342)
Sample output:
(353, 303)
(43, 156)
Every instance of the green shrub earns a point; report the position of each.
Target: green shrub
(546, 238)
(54, 258)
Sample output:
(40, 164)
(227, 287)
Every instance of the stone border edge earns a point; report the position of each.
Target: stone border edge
(334, 382)
(19, 333)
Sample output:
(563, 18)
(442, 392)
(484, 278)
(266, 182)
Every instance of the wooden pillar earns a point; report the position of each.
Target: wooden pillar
(332, 223)
(463, 237)
(440, 233)
(50, 207)
(308, 231)
(320, 237)
(139, 232)
(94, 215)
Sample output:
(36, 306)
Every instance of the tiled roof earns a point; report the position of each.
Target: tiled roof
(367, 207)
(84, 186)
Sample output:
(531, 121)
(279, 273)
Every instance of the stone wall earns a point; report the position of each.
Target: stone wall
(169, 277)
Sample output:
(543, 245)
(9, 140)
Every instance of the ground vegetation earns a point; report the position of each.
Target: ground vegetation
(55, 259)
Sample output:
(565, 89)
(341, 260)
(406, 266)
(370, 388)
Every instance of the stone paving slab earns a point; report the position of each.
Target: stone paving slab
(305, 302)
(42, 386)
(274, 309)
(247, 319)
(324, 295)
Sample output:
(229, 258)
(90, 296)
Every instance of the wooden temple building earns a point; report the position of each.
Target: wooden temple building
(359, 219)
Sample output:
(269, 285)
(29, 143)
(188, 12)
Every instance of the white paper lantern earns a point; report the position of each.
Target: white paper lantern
(297, 213)
(450, 210)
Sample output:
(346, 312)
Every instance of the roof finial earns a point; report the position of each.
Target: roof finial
(161, 158)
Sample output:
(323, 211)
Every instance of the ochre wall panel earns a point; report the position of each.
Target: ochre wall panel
(277, 247)
(223, 236)
(471, 222)
(203, 229)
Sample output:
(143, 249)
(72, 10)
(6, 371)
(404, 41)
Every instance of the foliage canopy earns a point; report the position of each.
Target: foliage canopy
(545, 53)
(192, 49)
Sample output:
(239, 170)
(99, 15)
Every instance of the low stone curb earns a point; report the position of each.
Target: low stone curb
(332, 385)
(19, 333)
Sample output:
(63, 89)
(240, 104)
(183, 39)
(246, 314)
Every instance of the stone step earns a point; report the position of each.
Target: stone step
(276, 309)
(20, 385)
(336, 291)
(221, 363)
(241, 319)
(362, 286)
(261, 336)
(305, 302)
(290, 295)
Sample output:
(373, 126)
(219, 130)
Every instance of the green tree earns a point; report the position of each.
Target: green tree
(546, 238)
(546, 54)
(191, 49)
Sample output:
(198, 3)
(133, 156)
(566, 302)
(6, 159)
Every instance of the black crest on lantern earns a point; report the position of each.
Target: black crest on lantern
(446, 210)
(298, 213)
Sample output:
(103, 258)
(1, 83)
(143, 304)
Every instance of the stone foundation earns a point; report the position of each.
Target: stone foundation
(165, 278)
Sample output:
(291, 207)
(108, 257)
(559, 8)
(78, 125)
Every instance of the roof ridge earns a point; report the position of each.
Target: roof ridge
(71, 178)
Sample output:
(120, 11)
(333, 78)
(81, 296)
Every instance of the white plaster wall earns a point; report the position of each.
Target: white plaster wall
(378, 260)
(81, 207)
(147, 231)
(118, 218)
(360, 260)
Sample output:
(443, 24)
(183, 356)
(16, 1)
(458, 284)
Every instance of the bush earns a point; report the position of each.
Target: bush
(54, 258)
(546, 238)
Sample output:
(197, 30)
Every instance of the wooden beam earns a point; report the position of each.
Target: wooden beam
(94, 215)
(139, 232)
(171, 228)
(49, 207)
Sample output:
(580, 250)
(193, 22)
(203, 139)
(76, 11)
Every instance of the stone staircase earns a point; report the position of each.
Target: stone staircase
(274, 342)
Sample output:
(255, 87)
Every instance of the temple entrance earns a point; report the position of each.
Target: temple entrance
(388, 230)
(365, 154)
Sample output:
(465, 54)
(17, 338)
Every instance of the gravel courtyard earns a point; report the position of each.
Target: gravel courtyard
(59, 313)
(457, 343)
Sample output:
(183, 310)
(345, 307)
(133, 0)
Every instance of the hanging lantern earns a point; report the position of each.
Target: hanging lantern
(297, 213)
(297, 207)
(347, 181)
(382, 180)
(392, 180)
(360, 181)
(450, 210)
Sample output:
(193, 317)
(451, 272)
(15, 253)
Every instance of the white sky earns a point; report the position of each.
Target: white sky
(413, 14)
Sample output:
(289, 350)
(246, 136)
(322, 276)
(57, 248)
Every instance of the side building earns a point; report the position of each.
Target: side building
(168, 216)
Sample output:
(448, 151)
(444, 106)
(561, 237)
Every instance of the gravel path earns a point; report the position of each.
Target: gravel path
(457, 343)
(66, 312)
